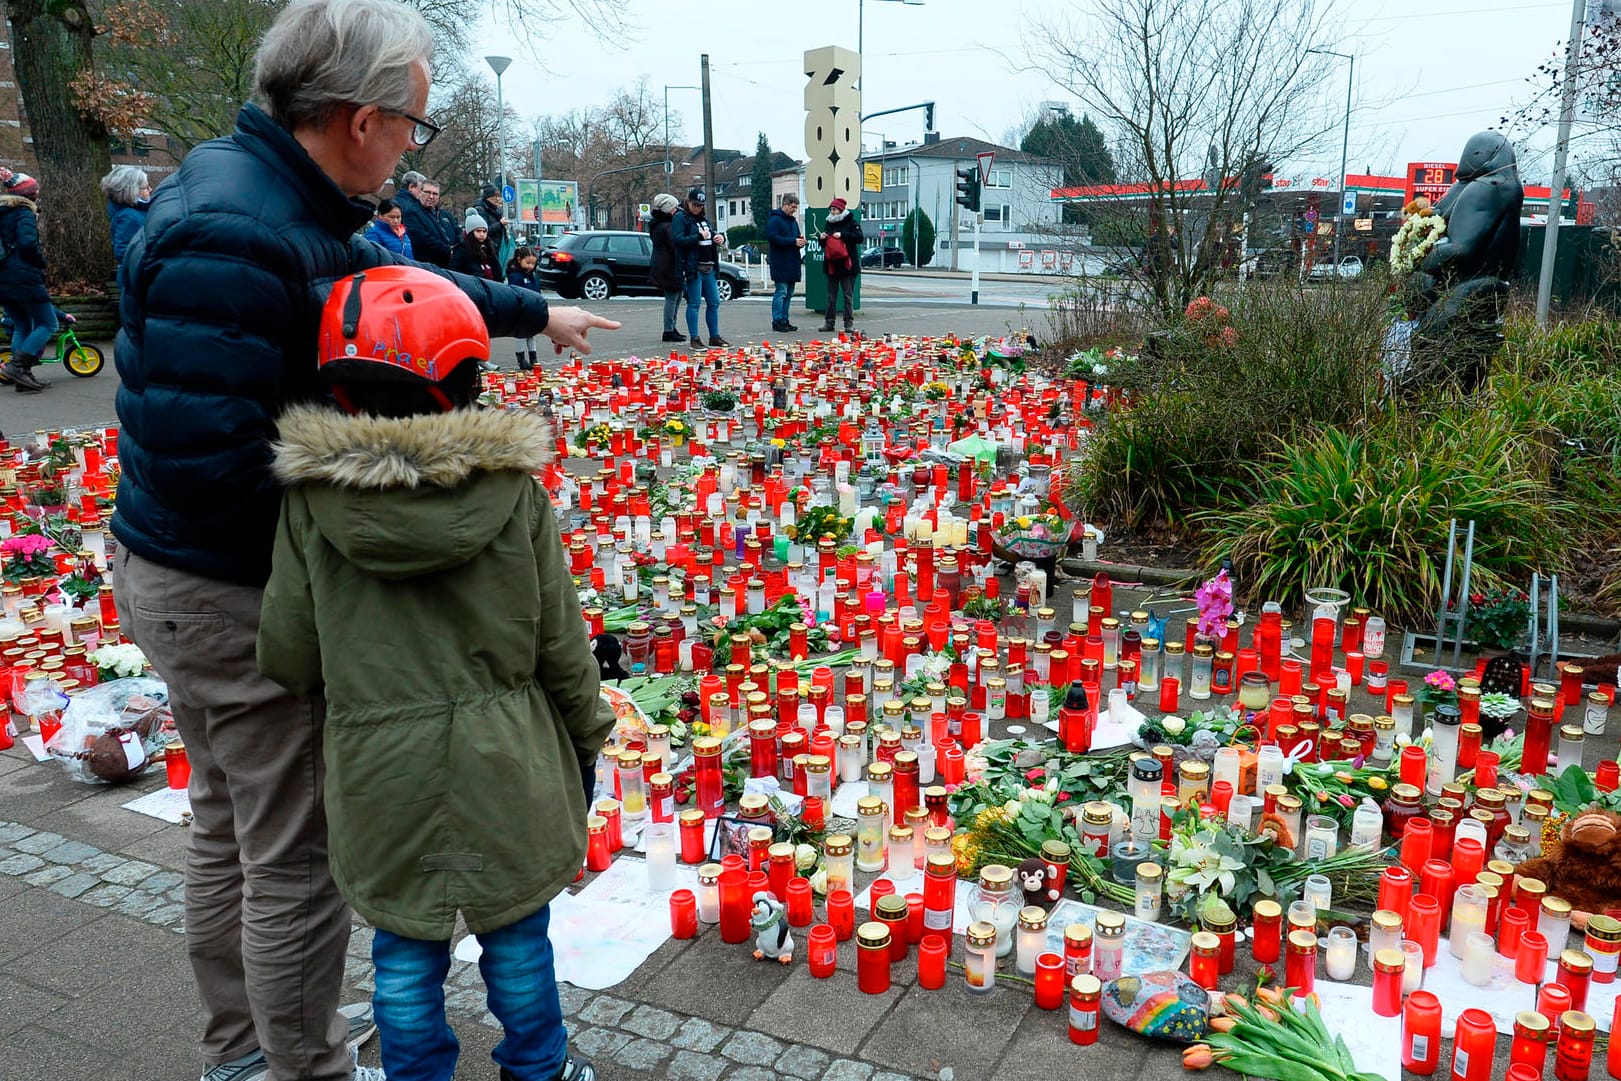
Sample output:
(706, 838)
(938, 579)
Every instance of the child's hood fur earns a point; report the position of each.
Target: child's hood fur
(319, 445)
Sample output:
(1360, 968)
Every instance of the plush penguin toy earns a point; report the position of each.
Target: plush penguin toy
(770, 923)
(607, 650)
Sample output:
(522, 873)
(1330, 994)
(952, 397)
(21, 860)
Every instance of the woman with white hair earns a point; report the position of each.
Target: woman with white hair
(128, 191)
(666, 272)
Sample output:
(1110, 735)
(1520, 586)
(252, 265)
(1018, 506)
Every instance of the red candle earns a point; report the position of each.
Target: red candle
(1413, 761)
(1532, 960)
(914, 918)
(1573, 1058)
(1266, 932)
(800, 912)
(1612, 1059)
(734, 905)
(1396, 890)
(1486, 763)
(1289, 678)
(1424, 924)
(779, 869)
(683, 914)
(1415, 844)
(692, 836)
(1553, 999)
(1436, 879)
(1474, 1046)
(709, 785)
(1049, 981)
(1085, 996)
(931, 961)
(1530, 1046)
(1204, 961)
(881, 888)
(1300, 962)
(1511, 925)
(872, 958)
(1421, 1033)
(823, 951)
(841, 914)
(1388, 966)
(596, 849)
(1170, 690)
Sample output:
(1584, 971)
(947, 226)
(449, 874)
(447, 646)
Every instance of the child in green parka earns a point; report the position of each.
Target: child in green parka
(419, 581)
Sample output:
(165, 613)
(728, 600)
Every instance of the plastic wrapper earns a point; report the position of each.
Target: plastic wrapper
(110, 732)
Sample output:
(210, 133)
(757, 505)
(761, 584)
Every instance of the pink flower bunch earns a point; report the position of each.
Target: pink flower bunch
(1201, 308)
(26, 545)
(807, 612)
(1215, 601)
(1440, 681)
(1346, 800)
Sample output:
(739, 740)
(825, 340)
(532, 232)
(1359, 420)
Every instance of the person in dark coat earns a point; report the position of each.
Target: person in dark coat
(494, 212)
(521, 275)
(842, 271)
(666, 270)
(784, 241)
(696, 244)
(475, 255)
(128, 192)
(422, 225)
(388, 229)
(23, 294)
(220, 313)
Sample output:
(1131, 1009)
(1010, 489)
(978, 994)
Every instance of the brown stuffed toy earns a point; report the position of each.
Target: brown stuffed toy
(1583, 866)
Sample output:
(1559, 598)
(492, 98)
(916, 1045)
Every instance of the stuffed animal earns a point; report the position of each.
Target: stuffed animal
(1031, 875)
(1583, 866)
(770, 923)
(607, 650)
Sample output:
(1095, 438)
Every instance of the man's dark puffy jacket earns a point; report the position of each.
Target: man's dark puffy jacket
(684, 234)
(221, 306)
(781, 233)
(422, 226)
(22, 273)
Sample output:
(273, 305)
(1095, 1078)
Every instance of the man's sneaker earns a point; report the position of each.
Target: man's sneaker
(365, 1073)
(246, 1068)
(362, 1025)
(717, 341)
(22, 376)
(789, 327)
(697, 343)
(573, 1070)
(674, 336)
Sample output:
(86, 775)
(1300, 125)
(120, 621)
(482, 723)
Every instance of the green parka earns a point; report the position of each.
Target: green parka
(419, 579)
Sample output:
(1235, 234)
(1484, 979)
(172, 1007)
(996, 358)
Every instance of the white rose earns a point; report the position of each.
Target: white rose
(1173, 725)
(804, 857)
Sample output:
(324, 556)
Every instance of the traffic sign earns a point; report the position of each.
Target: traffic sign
(1348, 203)
(507, 193)
(985, 158)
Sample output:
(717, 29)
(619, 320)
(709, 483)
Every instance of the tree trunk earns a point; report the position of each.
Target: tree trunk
(51, 42)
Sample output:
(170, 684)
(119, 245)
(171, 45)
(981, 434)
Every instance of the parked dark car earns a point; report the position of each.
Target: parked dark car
(883, 257)
(598, 264)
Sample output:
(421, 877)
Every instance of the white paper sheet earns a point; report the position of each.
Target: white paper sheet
(169, 804)
(1503, 996)
(603, 933)
(35, 745)
(1374, 1041)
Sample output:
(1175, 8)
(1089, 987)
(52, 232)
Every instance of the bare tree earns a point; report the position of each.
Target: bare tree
(613, 151)
(1207, 89)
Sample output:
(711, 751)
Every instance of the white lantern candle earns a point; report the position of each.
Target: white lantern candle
(1341, 953)
(660, 838)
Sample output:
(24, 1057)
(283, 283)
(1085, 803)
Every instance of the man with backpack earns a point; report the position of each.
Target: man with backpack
(841, 240)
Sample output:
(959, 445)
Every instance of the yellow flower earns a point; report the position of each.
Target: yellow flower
(778, 443)
(1344, 777)
(1377, 784)
(1024, 522)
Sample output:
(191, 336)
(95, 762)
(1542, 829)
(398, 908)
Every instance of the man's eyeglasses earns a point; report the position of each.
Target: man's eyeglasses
(424, 132)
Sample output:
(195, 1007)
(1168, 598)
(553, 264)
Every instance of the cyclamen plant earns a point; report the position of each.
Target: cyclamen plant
(27, 556)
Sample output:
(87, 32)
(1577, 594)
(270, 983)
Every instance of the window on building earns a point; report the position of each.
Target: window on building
(895, 175)
(999, 178)
(998, 212)
(745, 181)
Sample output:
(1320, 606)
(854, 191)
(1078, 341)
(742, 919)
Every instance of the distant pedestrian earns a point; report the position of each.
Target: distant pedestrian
(666, 269)
(22, 281)
(695, 243)
(784, 241)
(128, 192)
(450, 226)
(475, 255)
(521, 275)
(388, 229)
(493, 210)
(841, 240)
(428, 241)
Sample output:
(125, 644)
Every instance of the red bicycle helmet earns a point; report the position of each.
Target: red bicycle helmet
(398, 323)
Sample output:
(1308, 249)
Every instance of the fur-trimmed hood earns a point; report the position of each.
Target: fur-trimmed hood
(320, 445)
(401, 498)
(8, 201)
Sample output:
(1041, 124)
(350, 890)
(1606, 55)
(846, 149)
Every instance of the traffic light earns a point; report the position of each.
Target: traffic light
(968, 188)
(928, 116)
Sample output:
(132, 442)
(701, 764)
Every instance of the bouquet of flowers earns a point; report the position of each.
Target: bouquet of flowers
(1420, 231)
(1215, 601)
(1498, 617)
(599, 433)
(27, 555)
(118, 661)
(1210, 321)
(1034, 536)
(819, 522)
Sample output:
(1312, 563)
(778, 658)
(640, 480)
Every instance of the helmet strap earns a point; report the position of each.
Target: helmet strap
(351, 307)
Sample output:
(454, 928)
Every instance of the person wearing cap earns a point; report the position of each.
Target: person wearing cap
(494, 212)
(23, 294)
(841, 269)
(666, 270)
(784, 241)
(475, 255)
(220, 312)
(695, 244)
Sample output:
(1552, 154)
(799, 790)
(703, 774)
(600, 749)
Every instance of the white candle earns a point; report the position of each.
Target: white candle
(1412, 977)
(847, 500)
(1341, 960)
(660, 856)
(925, 530)
(1479, 957)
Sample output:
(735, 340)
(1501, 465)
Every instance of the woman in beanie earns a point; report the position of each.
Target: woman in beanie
(22, 281)
(475, 255)
(666, 271)
(841, 262)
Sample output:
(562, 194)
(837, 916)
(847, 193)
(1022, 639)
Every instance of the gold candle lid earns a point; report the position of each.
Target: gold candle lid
(995, 876)
(1032, 918)
(1087, 986)
(1078, 933)
(1386, 920)
(981, 934)
(875, 935)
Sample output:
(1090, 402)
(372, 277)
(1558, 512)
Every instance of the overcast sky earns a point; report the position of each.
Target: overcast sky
(1425, 79)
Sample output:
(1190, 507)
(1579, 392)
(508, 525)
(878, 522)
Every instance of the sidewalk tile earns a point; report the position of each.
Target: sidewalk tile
(696, 1034)
(1041, 1050)
(22, 1004)
(38, 843)
(718, 981)
(606, 1010)
(20, 864)
(76, 884)
(848, 1070)
(652, 1022)
(751, 1048)
(70, 852)
(644, 1054)
(803, 1062)
(752, 1073)
(693, 1066)
(832, 1014)
(597, 1042)
(926, 1030)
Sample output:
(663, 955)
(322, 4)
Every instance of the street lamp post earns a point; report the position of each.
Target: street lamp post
(499, 64)
(669, 166)
(861, 28)
(1345, 145)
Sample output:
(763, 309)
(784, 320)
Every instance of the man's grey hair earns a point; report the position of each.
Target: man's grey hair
(790, 197)
(412, 180)
(123, 185)
(323, 54)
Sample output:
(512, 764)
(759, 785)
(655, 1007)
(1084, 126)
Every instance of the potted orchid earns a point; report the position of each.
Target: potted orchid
(1215, 603)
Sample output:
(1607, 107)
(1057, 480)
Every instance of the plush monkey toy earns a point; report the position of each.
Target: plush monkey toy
(1031, 877)
(1583, 866)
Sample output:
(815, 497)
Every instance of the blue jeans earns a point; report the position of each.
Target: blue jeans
(704, 283)
(417, 1042)
(32, 327)
(783, 293)
(672, 303)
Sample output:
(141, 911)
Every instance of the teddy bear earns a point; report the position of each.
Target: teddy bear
(1583, 866)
